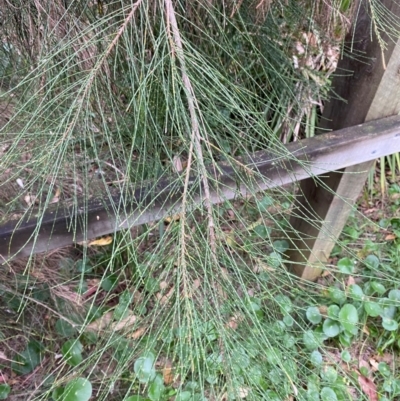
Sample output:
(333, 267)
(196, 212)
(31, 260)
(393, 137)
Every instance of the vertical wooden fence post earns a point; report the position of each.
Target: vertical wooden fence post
(369, 81)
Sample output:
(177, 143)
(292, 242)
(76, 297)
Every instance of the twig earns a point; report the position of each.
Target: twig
(196, 138)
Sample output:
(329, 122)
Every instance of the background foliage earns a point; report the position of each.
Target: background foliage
(100, 96)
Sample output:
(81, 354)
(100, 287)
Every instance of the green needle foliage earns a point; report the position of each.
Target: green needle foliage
(103, 96)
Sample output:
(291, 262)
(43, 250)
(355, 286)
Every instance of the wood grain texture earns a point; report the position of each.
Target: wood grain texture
(371, 91)
(63, 224)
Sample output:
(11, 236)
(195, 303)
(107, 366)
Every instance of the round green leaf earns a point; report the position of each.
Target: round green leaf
(288, 320)
(394, 295)
(273, 356)
(333, 311)
(389, 324)
(338, 296)
(262, 231)
(372, 261)
(184, 396)
(281, 246)
(72, 352)
(285, 303)
(313, 315)
(312, 340)
(348, 316)
(4, 391)
(331, 328)
(316, 358)
(387, 308)
(156, 388)
(356, 292)
(346, 357)
(384, 369)
(373, 309)
(79, 389)
(57, 393)
(327, 394)
(265, 202)
(346, 265)
(64, 329)
(378, 287)
(144, 368)
(329, 374)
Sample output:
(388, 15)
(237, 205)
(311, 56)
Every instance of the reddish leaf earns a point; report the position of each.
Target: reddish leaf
(368, 387)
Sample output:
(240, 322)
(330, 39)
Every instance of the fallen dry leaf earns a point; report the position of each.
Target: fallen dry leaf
(101, 241)
(390, 237)
(106, 321)
(168, 374)
(170, 219)
(374, 364)
(164, 299)
(138, 333)
(177, 163)
(56, 197)
(368, 387)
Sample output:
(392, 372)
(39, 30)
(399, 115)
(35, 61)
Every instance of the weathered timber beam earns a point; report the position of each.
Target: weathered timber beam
(62, 225)
(369, 81)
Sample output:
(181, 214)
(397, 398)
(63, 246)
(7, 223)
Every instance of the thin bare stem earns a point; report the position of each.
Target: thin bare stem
(196, 137)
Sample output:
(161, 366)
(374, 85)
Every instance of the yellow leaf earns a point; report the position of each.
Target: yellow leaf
(101, 241)
(175, 217)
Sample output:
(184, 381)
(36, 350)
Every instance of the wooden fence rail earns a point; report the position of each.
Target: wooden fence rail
(61, 225)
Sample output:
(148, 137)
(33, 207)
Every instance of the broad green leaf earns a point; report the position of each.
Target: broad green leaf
(372, 261)
(275, 259)
(64, 329)
(265, 202)
(384, 369)
(394, 295)
(327, 394)
(338, 296)
(184, 396)
(356, 292)
(288, 320)
(136, 398)
(388, 310)
(331, 328)
(311, 340)
(281, 246)
(72, 352)
(333, 311)
(262, 231)
(27, 360)
(5, 390)
(109, 282)
(314, 315)
(329, 374)
(156, 388)
(316, 358)
(144, 368)
(79, 389)
(348, 316)
(373, 309)
(285, 303)
(273, 356)
(346, 356)
(346, 266)
(389, 324)
(378, 287)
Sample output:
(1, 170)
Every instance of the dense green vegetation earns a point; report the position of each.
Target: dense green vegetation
(100, 96)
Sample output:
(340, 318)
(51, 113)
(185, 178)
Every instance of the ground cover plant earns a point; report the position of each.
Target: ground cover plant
(101, 96)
